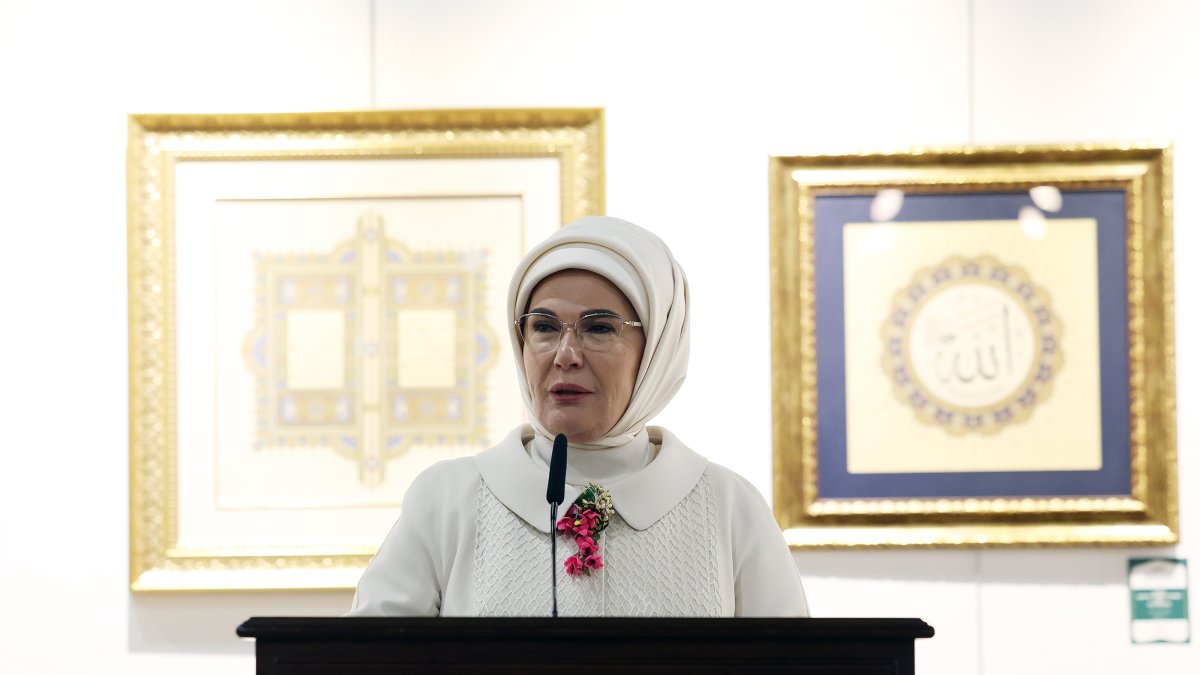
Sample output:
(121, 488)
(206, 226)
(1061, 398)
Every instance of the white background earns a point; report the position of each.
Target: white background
(697, 96)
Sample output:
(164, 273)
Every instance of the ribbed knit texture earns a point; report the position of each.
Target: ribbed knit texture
(669, 569)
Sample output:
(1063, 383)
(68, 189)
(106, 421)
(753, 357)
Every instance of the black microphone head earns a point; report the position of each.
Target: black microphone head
(558, 471)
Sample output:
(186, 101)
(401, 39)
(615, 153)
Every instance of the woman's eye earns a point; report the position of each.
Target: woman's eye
(545, 327)
(600, 327)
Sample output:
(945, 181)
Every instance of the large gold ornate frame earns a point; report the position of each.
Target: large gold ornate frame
(158, 144)
(1145, 514)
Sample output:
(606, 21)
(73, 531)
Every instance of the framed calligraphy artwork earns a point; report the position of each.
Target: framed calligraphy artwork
(974, 347)
(316, 308)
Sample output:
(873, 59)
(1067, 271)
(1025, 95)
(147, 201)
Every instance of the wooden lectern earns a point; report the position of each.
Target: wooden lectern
(353, 646)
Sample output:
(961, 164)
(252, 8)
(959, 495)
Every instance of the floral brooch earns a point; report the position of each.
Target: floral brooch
(587, 517)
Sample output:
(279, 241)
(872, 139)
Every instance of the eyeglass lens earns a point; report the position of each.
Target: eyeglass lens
(543, 332)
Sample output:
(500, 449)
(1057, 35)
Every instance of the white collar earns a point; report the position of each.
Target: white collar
(603, 465)
(519, 482)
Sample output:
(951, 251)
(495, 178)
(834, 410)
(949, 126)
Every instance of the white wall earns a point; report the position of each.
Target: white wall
(697, 96)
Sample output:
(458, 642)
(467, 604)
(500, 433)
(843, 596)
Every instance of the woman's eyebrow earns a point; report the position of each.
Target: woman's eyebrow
(586, 312)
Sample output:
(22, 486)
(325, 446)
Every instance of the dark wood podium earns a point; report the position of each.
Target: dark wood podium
(353, 646)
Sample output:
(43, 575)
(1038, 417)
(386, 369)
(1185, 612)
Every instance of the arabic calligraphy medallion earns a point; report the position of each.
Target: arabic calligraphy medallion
(972, 345)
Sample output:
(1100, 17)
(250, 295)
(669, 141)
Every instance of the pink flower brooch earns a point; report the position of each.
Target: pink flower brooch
(587, 517)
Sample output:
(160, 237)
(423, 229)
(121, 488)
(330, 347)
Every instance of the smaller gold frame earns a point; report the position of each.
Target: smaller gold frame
(821, 503)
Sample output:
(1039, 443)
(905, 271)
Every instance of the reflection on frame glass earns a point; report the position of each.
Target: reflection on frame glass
(317, 315)
(974, 347)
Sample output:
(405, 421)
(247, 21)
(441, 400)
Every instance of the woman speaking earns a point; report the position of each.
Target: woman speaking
(598, 318)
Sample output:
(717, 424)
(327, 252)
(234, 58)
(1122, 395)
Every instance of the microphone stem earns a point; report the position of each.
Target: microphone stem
(553, 560)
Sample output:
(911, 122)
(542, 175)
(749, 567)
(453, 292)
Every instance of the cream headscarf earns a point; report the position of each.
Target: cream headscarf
(642, 267)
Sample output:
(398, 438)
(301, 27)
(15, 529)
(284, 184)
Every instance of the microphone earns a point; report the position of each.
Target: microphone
(558, 471)
(554, 495)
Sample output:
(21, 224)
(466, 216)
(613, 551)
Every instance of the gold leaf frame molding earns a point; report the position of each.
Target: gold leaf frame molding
(335, 286)
(974, 347)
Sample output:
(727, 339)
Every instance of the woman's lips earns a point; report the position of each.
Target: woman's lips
(568, 393)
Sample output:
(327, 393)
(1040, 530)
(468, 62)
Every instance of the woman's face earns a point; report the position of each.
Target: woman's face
(576, 391)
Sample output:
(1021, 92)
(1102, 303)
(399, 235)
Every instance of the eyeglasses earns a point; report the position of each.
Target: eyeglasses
(596, 332)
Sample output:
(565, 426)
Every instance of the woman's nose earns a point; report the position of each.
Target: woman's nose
(569, 347)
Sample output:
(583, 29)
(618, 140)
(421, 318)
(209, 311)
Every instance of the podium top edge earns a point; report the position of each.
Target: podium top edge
(539, 629)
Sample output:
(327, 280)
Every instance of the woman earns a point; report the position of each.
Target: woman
(599, 326)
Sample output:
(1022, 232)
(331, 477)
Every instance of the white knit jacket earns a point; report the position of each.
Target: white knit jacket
(690, 538)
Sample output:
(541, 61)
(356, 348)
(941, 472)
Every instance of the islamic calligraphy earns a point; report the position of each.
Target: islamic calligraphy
(972, 345)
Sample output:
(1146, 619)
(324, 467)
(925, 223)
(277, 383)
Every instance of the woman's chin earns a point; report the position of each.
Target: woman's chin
(574, 433)
(578, 436)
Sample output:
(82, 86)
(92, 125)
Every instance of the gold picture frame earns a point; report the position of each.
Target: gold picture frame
(222, 208)
(974, 347)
